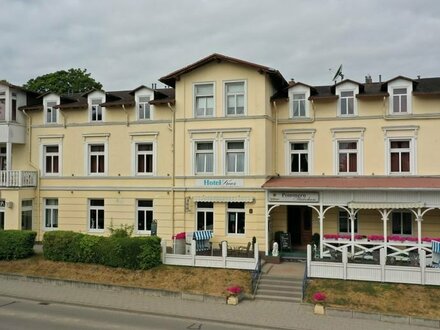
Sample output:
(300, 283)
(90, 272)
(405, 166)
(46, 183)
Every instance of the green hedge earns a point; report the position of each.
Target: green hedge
(124, 252)
(16, 244)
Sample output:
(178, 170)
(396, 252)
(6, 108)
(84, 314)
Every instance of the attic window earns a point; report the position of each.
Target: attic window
(400, 100)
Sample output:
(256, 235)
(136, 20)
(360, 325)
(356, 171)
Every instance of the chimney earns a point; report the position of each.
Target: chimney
(368, 79)
(380, 78)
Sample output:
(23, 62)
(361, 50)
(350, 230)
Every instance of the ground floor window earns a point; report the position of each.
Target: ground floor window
(236, 218)
(96, 214)
(51, 213)
(205, 216)
(26, 214)
(402, 223)
(345, 222)
(144, 215)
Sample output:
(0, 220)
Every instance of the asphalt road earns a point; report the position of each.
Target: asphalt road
(27, 314)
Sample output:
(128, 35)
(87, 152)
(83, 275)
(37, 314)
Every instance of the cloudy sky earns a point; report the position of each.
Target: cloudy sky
(127, 43)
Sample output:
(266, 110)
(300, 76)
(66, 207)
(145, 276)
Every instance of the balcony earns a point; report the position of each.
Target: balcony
(18, 179)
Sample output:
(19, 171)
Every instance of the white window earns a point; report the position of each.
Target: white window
(2, 158)
(348, 157)
(97, 159)
(347, 103)
(96, 110)
(235, 157)
(299, 157)
(235, 98)
(401, 223)
(205, 216)
(51, 213)
(345, 223)
(2, 106)
(204, 100)
(144, 108)
(400, 100)
(144, 158)
(204, 157)
(144, 216)
(236, 218)
(26, 214)
(51, 159)
(14, 109)
(51, 112)
(299, 105)
(96, 215)
(400, 156)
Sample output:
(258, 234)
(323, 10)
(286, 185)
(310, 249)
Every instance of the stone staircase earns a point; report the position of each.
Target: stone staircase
(279, 288)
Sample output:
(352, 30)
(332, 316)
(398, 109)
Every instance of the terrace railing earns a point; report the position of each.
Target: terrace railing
(18, 179)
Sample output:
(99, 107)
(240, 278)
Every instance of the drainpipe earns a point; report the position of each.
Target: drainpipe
(276, 138)
(173, 173)
(126, 114)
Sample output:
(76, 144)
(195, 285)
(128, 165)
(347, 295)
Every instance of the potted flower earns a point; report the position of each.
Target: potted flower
(375, 238)
(331, 237)
(427, 239)
(234, 295)
(344, 237)
(319, 299)
(411, 239)
(360, 238)
(396, 238)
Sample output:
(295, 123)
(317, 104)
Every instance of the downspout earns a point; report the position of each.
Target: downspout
(126, 114)
(276, 138)
(173, 172)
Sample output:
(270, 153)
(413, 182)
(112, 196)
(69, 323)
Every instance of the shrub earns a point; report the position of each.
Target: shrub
(89, 249)
(121, 231)
(62, 245)
(16, 244)
(150, 253)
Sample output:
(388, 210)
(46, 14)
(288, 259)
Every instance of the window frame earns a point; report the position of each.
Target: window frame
(344, 216)
(204, 210)
(96, 209)
(299, 152)
(143, 105)
(96, 103)
(401, 220)
(27, 208)
(146, 153)
(400, 83)
(206, 96)
(53, 212)
(97, 153)
(226, 94)
(347, 100)
(230, 210)
(347, 152)
(3, 158)
(411, 151)
(51, 155)
(229, 152)
(196, 152)
(295, 101)
(146, 210)
(400, 97)
(53, 112)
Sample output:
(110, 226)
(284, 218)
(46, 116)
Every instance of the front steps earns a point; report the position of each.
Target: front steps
(277, 288)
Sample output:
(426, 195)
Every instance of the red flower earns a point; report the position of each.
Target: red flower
(234, 289)
(319, 297)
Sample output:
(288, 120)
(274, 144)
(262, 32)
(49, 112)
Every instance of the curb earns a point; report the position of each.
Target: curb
(111, 287)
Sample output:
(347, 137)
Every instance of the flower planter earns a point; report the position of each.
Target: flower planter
(361, 240)
(343, 239)
(233, 300)
(319, 309)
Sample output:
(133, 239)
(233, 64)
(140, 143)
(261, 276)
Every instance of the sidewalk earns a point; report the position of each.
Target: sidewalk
(262, 314)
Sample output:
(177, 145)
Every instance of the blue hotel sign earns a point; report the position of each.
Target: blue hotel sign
(219, 183)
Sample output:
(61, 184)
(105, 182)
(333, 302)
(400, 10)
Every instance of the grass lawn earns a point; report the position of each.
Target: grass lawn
(208, 281)
(405, 299)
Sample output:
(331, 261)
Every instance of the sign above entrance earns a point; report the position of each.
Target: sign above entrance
(219, 183)
(293, 196)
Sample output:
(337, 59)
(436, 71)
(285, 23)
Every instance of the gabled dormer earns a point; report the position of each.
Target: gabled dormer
(50, 101)
(400, 90)
(346, 91)
(142, 97)
(94, 101)
(299, 104)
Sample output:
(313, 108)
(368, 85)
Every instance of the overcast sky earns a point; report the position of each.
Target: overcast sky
(127, 43)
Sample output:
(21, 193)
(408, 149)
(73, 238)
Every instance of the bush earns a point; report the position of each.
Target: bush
(125, 252)
(62, 246)
(122, 231)
(16, 244)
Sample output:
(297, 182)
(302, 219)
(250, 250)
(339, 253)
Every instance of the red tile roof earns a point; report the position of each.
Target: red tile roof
(359, 182)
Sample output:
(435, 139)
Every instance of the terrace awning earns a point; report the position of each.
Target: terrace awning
(378, 206)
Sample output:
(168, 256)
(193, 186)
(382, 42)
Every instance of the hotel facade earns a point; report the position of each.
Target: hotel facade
(229, 146)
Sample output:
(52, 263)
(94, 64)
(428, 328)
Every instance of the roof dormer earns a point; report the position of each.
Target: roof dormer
(299, 104)
(400, 90)
(346, 91)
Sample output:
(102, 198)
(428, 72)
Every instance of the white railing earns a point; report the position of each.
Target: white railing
(223, 261)
(18, 179)
(345, 269)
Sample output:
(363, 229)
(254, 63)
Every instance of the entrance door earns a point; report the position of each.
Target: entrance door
(299, 224)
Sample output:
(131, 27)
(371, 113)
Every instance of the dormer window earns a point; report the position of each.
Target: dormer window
(347, 103)
(400, 100)
(51, 112)
(299, 105)
(144, 108)
(96, 110)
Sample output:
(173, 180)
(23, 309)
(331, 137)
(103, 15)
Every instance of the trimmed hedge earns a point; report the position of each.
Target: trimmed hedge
(124, 252)
(16, 244)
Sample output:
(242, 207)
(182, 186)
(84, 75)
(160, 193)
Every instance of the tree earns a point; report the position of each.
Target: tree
(63, 82)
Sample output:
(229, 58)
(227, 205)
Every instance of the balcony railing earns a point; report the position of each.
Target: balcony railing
(18, 179)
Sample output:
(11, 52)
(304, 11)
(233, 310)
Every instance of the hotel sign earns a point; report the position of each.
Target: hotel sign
(293, 196)
(219, 183)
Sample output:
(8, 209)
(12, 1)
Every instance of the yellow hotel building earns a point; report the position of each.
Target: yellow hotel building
(229, 146)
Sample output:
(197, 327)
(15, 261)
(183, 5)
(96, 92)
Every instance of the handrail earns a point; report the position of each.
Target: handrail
(256, 276)
(19, 178)
(304, 283)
